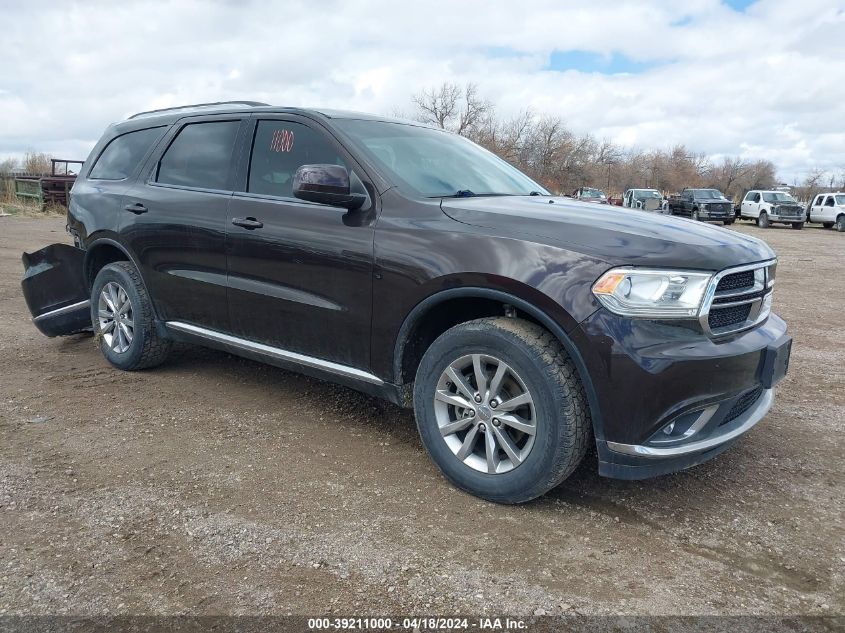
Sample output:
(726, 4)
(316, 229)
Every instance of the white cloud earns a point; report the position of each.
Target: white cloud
(766, 83)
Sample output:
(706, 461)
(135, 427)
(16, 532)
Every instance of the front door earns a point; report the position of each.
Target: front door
(175, 221)
(300, 273)
(751, 205)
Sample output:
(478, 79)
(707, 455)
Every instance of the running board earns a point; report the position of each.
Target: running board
(274, 352)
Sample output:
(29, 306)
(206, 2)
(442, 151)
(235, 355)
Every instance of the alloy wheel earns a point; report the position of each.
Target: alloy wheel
(116, 318)
(485, 413)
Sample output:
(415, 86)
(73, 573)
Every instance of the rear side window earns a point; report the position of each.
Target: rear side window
(282, 147)
(122, 155)
(200, 156)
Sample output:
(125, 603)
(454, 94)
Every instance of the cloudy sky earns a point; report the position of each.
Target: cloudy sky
(762, 79)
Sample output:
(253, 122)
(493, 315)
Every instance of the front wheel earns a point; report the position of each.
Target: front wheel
(727, 222)
(763, 220)
(840, 223)
(122, 316)
(798, 225)
(501, 410)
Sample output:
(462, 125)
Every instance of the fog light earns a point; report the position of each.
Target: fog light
(669, 428)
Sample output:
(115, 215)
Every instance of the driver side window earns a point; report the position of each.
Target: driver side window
(279, 148)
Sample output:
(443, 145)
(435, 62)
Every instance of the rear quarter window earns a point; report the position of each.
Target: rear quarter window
(123, 153)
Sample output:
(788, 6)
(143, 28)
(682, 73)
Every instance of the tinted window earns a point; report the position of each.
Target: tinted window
(279, 149)
(122, 155)
(829, 201)
(200, 155)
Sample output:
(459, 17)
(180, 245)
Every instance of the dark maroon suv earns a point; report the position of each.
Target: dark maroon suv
(411, 264)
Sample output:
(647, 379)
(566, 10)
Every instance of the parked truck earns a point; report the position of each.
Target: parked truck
(767, 207)
(708, 205)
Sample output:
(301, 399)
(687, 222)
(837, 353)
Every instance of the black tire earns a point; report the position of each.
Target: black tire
(798, 225)
(840, 223)
(827, 225)
(727, 222)
(563, 426)
(147, 348)
(763, 220)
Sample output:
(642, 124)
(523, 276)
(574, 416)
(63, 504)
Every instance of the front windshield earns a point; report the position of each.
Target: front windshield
(592, 193)
(840, 200)
(435, 163)
(708, 194)
(778, 197)
(644, 195)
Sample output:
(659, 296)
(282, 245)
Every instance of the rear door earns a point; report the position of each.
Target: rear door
(300, 273)
(828, 209)
(175, 220)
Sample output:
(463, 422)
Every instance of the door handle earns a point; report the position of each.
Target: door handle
(136, 208)
(248, 223)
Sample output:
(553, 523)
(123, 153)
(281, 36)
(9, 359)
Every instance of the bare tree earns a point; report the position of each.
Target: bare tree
(36, 163)
(450, 107)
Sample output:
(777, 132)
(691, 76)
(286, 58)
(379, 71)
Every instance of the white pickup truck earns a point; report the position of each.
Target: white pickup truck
(767, 207)
(828, 209)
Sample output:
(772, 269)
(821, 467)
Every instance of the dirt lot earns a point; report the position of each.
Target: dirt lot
(217, 485)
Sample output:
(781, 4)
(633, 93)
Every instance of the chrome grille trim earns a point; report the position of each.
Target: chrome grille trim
(759, 296)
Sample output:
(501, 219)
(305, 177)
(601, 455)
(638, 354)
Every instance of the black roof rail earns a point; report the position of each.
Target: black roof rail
(251, 104)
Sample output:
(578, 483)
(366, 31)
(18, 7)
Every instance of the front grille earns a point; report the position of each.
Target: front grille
(791, 211)
(740, 300)
(736, 281)
(725, 317)
(743, 404)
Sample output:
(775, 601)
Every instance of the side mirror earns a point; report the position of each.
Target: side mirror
(326, 184)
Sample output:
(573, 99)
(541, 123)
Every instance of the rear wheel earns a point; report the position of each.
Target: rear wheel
(122, 316)
(798, 225)
(501, 410)
(727, 222)
(763, 220)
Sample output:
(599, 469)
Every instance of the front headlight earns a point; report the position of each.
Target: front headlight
(655, 294)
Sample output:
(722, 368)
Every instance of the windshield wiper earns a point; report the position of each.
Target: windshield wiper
(467, 193)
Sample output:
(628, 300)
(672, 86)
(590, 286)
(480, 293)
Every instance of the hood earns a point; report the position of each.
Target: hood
(613, 234)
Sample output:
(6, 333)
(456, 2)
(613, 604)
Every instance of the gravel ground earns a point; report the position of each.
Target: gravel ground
(215, 485)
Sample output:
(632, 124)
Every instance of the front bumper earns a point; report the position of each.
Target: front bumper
(668, 396)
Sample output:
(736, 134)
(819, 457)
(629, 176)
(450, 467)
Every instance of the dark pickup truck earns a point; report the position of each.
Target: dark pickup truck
(411, 264)
(708, 205)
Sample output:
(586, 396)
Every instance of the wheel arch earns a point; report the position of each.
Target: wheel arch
(106, 250)
(416, 334)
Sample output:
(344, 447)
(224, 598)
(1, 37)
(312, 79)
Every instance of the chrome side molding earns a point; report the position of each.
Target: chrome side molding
(274, 352)
(60, 311)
